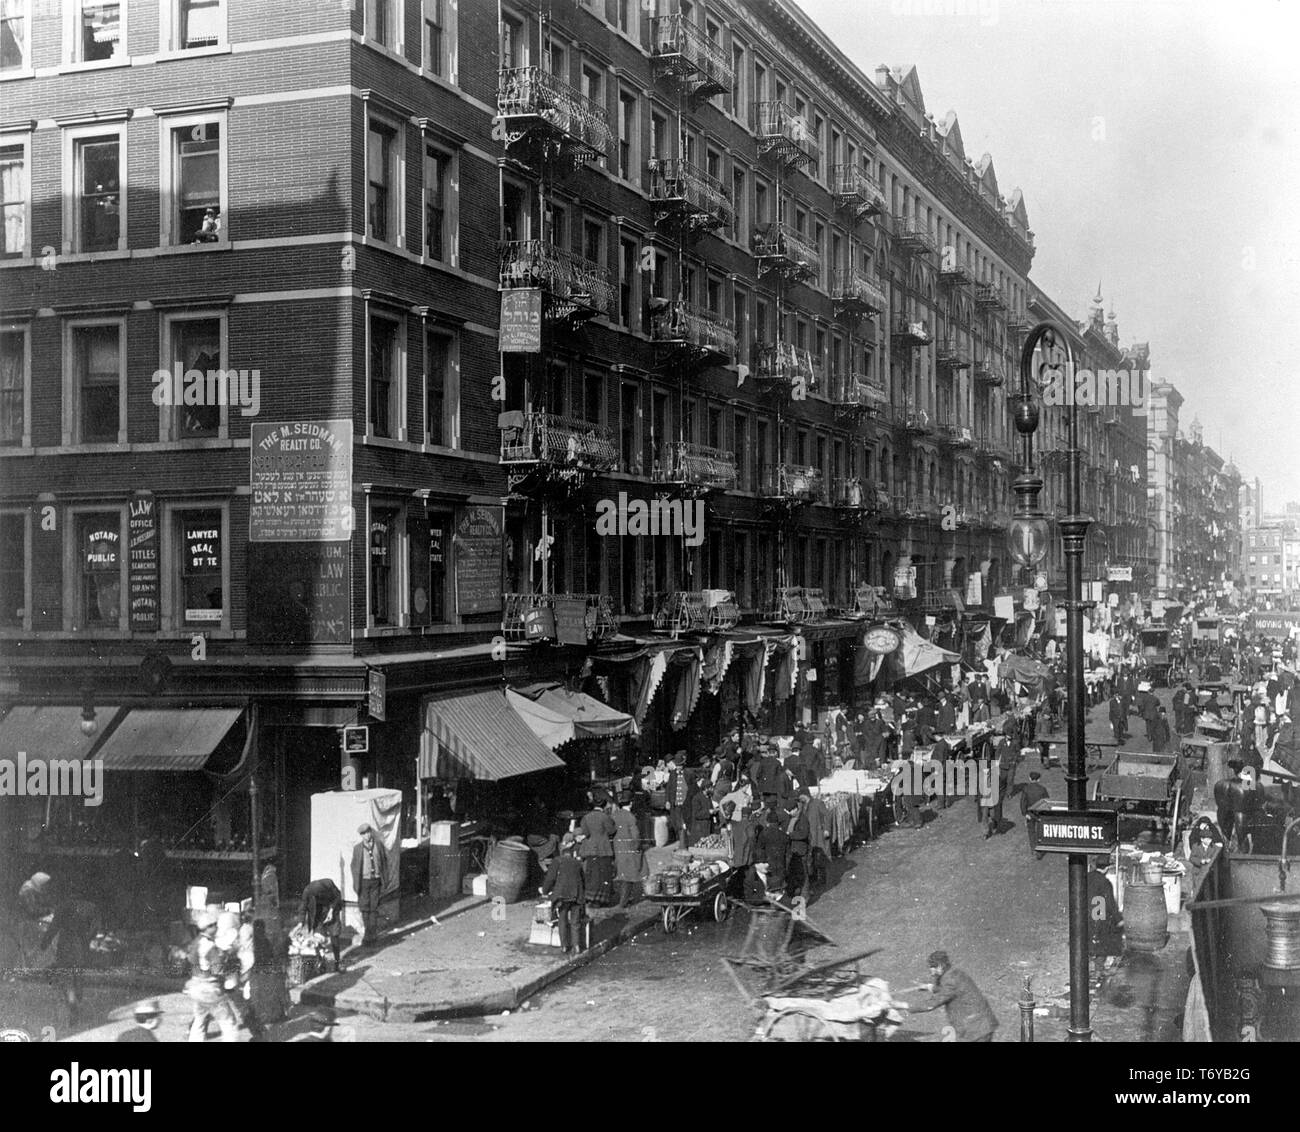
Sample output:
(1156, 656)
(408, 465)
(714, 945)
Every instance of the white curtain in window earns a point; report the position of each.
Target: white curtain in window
(13, 26)
(11, 199)
(202, 22)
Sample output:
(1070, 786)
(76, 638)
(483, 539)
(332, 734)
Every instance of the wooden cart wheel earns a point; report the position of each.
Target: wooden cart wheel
(1094, 789)
(721, 907)
(797, 1026)
(1176, 816)
(669, 918)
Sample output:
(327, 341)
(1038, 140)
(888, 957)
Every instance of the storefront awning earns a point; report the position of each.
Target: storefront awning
(46, 733)
(479, 736)
(557, 715)
(167, 738)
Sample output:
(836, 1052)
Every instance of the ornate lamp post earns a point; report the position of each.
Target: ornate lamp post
(1027, 543)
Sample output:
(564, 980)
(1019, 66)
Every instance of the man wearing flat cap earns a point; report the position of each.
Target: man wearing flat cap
(369, 868)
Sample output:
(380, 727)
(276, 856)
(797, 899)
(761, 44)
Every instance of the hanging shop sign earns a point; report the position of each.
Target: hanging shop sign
(301, 481)
(1073, 831)
(881, 641)
(521, 321)
(142, 564)
(477, 547)
(975, 589)
(356, 739)
(571, 620)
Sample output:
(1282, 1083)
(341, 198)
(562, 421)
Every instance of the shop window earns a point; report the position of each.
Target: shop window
(13, 569)
(99, 545)
(202, 581)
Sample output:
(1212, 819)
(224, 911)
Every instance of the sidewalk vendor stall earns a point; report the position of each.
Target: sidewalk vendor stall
(700, 879)
(852, 797)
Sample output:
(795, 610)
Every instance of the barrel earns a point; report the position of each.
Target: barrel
(661, 830)
(507, 870)
(1146, 920)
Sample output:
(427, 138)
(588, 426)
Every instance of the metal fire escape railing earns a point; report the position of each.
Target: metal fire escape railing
(564, 276)
(679, 187)
(532, 99)
(559, 441)
(682, 49)
(683, 324)
(696, 465)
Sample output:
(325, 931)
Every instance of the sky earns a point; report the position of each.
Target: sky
(1157, 146)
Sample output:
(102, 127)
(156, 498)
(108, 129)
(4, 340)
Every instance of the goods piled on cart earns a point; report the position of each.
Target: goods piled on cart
(307, 951)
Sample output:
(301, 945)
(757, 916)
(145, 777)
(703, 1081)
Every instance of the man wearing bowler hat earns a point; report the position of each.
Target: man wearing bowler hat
(369, 867)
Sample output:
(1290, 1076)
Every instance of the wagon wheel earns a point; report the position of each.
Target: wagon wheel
(1094, 790)
(1177, 814)
(669, 918)
(797, 1026)
(721, 907)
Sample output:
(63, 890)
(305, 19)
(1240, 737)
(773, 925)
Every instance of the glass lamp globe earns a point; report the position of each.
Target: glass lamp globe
(1027, 539)
(88, 721)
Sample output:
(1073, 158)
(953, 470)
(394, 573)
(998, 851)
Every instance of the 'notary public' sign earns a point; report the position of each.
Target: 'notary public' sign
(142, 563)
(301, 482)
(1073, 831)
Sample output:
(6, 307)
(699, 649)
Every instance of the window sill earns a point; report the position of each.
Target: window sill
(397, 54)
(24, 260)
(197, 443)
(170, 53)
(97, 65)
(69, 256)
(17, 73)
(71, 449)
(400, 443)
(24, 449)
(377, 631)
(168, 248)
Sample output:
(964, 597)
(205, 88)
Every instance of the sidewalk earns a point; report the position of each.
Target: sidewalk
(475, 960)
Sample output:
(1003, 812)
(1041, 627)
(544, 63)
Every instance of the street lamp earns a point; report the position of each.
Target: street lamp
(1027, 542)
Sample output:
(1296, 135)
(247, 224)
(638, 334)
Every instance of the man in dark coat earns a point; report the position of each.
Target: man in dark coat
(1118, 712)
(772, 848)
(677, 789)
(1159, 729)
(1230, 799)
(698, 814)
(874, 742)
(767, 774)
(321, 911)
(565, 886)
(946, 716)
(1105, 927)
(369, 869)
(969, 1013)
(1030, 795)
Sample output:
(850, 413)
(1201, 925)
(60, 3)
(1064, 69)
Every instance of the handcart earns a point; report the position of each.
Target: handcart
(770, 954)
(1150, 791)
(831, 1002)
(714, 898)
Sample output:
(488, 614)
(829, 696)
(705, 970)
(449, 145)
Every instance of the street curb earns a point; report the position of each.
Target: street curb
(384, 1009)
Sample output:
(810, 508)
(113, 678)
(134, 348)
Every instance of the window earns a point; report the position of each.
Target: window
(739, 205)
(442, 389)
(593, 87)
(629, 412)
(13, 569)
(440, 38)
(15, 24)
(382, 195)
(628, 167)
(627, 275)
(198, 182)
(194, 344)
(385, 417)
(659, 138)
(385, 572)
(14, 198)
(438, 220)
(195, 23)
(96, 188)
(384, 23)
(514, 43)
(96, 401)
(737, 104)
(740, 317)
(100, 31)
(14, 426)
(99, 579)
(661, 279)
(201, 592)
(762, 211)
(626, 16)
(742, 453)
(593, 241)
(713, 295)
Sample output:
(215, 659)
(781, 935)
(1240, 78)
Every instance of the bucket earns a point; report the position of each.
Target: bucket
(672, 884)
(661, 830)
(507, 870)
(1146, 919)
(653, 884)
(1153, 871)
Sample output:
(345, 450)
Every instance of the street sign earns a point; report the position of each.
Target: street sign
(1055, 830)
(1119, 573)
(356, 739)
(377, 695)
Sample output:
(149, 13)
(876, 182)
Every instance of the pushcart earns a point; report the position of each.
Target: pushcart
(714, 898)
(831, 1002)
(1150, 791)
(770, 956)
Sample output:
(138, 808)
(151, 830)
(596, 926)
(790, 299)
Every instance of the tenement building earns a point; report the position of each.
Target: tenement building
(360, 360)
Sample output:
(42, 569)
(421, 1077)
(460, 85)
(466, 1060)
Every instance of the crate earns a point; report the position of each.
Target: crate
(303, 968)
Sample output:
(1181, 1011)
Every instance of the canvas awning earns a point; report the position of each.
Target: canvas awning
(557, 715)
(167, 738)
(1022, 669)
(46, 733)
(479, 735)
(919, 655)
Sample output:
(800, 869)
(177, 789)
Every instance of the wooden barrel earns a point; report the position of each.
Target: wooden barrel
(1146, 920)
(507, 870)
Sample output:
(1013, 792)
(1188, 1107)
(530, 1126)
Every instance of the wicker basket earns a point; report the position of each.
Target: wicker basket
(303, 968)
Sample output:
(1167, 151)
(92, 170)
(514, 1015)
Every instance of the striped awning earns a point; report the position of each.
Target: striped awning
(479, 735)
(166, 738)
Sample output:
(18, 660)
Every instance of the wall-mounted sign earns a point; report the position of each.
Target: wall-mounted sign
(142, 564)
(571, 621)
(356, 739)
(1119, 573)
(477, 544)
(299, 593)
(301, 480)
(377, 695)
(881, 641)
(521, 321)
(201, 546)
(1073, 831)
